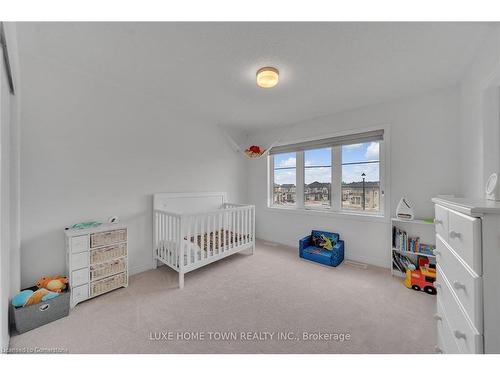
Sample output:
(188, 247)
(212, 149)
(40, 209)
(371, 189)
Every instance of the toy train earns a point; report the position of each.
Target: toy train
(423, 278)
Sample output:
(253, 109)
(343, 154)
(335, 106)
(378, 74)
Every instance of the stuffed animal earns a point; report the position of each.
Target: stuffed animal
(28, 297)
(55, 283)
(254, 151)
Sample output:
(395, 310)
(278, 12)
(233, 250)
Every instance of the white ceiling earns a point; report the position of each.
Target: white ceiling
(209, 68)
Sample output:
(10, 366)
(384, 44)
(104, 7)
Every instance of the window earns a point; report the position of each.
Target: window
(338, 174)
(285, 179)
(360, 177)
(318, 178)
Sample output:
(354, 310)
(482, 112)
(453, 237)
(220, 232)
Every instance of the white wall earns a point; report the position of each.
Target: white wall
(9, 183)
(91, 149)
(479, 139)
(423, 164)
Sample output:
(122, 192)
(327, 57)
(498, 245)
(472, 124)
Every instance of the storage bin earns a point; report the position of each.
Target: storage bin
(108, 238)
(34, 316)
(108, 284)
(107, 253)
(101, 270)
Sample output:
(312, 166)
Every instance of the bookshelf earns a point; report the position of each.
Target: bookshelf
(413, 237)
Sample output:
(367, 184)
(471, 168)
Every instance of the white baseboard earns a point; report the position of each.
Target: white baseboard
(372, 261)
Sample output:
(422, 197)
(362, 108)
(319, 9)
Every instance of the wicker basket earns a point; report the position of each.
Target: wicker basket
(108, 284)
(108, 253)
(108, 268)
(108, 238)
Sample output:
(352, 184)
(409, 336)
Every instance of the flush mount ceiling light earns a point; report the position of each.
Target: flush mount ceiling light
(267, 77)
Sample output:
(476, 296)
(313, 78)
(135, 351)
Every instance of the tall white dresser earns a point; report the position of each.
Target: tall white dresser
(468, 275)
(96, 260)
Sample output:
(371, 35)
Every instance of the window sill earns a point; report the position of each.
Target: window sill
(379, 218)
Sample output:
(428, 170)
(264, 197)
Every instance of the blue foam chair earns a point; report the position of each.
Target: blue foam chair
(333, 257)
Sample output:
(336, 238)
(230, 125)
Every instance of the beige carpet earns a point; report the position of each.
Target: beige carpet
(254, 298)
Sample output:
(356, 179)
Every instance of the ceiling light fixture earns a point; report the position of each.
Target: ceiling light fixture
(267, 77)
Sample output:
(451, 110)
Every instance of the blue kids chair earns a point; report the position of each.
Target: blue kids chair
(322, 247)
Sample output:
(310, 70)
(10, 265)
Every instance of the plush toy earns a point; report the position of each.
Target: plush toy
(28, 297)
(254, 151)
(55, 283)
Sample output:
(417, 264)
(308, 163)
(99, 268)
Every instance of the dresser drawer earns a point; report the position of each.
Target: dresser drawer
(464, 237)
(80, 293)
(79, 244)
(441, 221)
(79, 260)
(465, 283)
(446, 341)
(467, 337)
(79, 277)
(108, 238)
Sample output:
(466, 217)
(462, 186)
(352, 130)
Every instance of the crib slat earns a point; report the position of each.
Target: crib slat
(169, 247)
(230, 230)
(227, 228)
(238, 215)
(163, 221)
(219, 234)
(187, 243)
(173, 229)
(208, 237)
(212, 234)
(246, 226)
(203, 231)
(234, 229)
(245, 222)
(155, 238)
(178, 244)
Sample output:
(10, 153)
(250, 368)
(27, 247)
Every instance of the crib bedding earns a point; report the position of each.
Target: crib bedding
(209, 240)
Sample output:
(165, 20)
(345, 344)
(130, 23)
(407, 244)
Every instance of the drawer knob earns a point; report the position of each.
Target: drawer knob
(438, 317)
(459, 334)
(437, 221)
(437, 349)
(437, 285)
(436, 252)
(458, 285)
(454, 234)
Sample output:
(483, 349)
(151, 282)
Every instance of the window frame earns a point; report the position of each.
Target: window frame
(336, 180)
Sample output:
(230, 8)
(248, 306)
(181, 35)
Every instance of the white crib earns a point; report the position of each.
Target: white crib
(192, 230)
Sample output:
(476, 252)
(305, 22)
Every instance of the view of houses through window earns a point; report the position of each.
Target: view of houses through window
(359, 167)
(318, 177)
(360, 177)
(285, 179)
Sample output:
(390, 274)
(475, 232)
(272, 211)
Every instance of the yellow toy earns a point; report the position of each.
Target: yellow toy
(55, 283)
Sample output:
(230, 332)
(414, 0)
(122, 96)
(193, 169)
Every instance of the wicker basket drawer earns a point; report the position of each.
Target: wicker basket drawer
(98, 271)
(108, 284)
(108, 238)
(108, 253)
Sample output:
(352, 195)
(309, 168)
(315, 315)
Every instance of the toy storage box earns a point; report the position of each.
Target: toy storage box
(31, 317)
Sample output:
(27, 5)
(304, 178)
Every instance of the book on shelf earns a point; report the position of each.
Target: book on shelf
(402, 242)
(402, 263)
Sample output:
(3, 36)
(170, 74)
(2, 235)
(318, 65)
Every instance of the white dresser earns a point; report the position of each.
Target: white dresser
(96, 260)
(468, 275)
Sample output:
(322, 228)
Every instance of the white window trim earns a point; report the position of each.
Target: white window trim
(335, 208)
